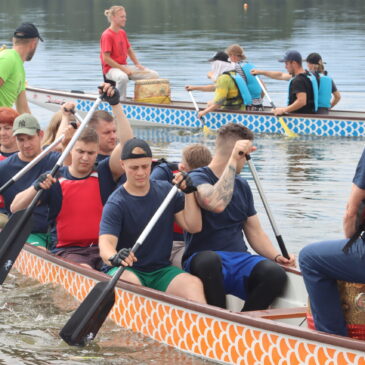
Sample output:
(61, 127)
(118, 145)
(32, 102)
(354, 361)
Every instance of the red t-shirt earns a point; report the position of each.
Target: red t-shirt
(115, 43)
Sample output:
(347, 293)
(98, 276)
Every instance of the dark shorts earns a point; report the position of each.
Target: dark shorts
(158, 279)
(236, 268)
(82, 255)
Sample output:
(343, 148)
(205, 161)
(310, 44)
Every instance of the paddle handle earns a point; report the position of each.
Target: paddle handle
(31, 164)
(278, 236)
(146, 231)
(196, 106)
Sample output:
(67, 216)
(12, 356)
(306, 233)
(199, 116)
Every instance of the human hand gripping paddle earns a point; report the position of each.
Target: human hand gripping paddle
(287, 130)
(16, 231)
(278, 236)
(205, 128)
(86, 321)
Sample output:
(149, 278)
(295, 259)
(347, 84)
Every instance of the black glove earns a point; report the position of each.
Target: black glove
(190, 187)
(112, 100)
(38, 182)
(120, 256)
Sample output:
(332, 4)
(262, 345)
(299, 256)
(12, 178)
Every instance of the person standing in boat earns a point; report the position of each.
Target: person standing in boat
(323, 90)
(12, 73)
(127, 212)
(114, 51)
(193, 156)
(323, 263)
(218, 255)
(28, 134)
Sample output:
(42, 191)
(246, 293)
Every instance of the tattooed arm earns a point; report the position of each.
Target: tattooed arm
(216, 197)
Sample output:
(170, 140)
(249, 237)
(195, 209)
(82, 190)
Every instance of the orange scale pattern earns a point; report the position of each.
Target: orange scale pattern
(193, 332)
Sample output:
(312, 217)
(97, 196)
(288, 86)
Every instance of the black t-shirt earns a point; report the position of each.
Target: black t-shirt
(302, 84)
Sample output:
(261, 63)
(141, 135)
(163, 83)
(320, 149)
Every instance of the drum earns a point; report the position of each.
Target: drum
(353, 304)
(155, 91)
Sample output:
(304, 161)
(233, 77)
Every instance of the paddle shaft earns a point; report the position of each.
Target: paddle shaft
(278, 236)
(31, 164)
(21, 220)
(196, 106)
(75, 332)
(265, 92)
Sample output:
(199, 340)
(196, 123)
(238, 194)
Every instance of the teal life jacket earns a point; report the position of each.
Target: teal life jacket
(325, 91)
(315, 88)
(248, 90)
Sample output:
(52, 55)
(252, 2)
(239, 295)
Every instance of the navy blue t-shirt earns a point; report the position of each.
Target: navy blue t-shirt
(125, 216)
(11, 166)
(359, 178)
(221, 231)
(162, 172)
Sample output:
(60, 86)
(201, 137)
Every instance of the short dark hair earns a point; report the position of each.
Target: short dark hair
(234, 131)
(100, 115)
(89, 135)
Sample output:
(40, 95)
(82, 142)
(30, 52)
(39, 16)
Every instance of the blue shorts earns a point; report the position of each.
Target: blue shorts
(236, 268)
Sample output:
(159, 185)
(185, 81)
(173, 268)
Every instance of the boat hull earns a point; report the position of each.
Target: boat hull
(183, 115)
(201, 330)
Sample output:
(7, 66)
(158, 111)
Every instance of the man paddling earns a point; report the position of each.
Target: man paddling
(28, 134)
(126, 214)
(301, 97)
(218, 254)
(12, 73)
(115, 48)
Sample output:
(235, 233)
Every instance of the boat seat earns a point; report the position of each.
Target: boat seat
(278, 313)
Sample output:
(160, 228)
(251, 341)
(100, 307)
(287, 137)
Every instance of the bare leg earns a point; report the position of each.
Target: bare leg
(130, 277)
(187, 286)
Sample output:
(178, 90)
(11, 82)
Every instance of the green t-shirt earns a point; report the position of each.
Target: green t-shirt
(13, 74)
(226, 93)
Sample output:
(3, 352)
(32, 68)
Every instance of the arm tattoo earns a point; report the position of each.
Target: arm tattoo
(219, 195)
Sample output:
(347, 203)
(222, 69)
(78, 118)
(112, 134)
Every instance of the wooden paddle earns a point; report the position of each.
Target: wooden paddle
(287, 130)
(85, 323)
(278, 236)
(16, 231)
(205, 128)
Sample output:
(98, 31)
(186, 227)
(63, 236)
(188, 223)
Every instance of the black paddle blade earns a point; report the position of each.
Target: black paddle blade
(85, 323)
(12, 240)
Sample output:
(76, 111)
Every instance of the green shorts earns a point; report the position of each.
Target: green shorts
(39, 239)
(158, 279)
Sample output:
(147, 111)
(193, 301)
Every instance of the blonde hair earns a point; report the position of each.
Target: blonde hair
(112, 11)
(236, 50)
(196, 155)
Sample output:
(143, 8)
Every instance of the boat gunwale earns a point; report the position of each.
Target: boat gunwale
(238, 318)
(87, 96)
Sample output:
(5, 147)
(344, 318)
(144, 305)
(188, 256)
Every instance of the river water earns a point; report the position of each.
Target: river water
(306, 180)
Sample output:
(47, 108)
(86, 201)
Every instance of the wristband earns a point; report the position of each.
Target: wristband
(275, 258)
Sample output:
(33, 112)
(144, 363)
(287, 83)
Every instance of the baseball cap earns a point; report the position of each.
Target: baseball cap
(292, 56)
(219, 56)
(314, 58)
(131, 144)
(26, 124)
(26, 31)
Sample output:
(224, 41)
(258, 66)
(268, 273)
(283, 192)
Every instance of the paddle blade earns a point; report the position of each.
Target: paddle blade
(287, 130)
(12, 240)
(85, 323)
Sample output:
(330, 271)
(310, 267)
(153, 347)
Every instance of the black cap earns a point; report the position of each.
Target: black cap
(219, 56)
(27, 31)
(314, 58)
(131, 144)
(292, 56)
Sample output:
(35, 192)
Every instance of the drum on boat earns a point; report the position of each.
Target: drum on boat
(155, 91)
(353, 304)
